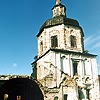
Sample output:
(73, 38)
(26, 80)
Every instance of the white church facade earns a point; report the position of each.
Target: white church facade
(63, 69)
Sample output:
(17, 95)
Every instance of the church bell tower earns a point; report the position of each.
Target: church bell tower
(62, 68)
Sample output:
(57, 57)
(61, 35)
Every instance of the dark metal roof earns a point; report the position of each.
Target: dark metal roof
(61, 5)
(58, 21)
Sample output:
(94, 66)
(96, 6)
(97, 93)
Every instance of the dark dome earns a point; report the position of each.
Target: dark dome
(57, 21)
(26, 88)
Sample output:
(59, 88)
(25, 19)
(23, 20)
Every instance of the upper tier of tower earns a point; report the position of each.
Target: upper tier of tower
(59, 10)
(60, 32)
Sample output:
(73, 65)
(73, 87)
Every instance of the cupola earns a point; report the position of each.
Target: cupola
(59, 9)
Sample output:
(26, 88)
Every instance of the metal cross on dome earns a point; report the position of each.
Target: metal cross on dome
(58, 2)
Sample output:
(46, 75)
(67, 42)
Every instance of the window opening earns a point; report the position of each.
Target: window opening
(56, 98)
(18, 97)
(65, 96)
(54, 41)
(57, 11)
(80, 94)
(83, 95)
(73, 41)
(87, 93)
(41, 46)
(75, 64)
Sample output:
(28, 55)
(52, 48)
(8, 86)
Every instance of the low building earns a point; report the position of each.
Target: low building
(17, 87)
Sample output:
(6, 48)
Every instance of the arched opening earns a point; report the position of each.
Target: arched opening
(21, 89)
(56, 98)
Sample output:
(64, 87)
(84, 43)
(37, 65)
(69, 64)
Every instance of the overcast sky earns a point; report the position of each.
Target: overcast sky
(20, 21)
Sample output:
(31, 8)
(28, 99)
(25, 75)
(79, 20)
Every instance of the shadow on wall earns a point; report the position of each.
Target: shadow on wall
(21, 89)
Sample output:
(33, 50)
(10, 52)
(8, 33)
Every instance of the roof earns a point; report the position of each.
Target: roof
(7, 77)
(58, 20)
(61, 5)
(65, 51)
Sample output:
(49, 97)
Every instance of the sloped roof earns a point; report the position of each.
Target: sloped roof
(58, 21)
(65, 51)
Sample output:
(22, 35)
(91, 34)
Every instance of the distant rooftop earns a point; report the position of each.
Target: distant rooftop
(7, 77)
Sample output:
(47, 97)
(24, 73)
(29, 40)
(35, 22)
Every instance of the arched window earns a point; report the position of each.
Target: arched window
(18, 97)
(56, 98)
(73, 41)
(54, 41)
(41, 46)
(75, 67)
